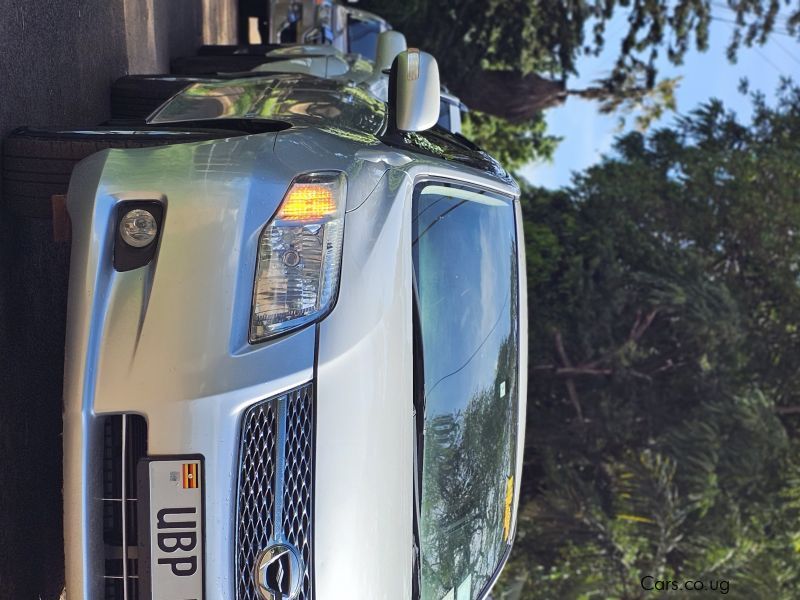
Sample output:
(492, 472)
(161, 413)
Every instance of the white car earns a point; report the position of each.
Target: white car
(296, 350)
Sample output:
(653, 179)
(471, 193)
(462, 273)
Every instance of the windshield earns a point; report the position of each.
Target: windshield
(465, 267)
(293, 98)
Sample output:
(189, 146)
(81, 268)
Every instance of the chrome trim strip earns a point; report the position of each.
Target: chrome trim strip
(124, 511)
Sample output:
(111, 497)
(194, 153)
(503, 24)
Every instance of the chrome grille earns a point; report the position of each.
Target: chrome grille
(275, 484)
(297, 482)
(256, 492)
(124, 443)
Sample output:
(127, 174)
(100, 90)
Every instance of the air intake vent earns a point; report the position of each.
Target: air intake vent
(275, 484)
(124, 443)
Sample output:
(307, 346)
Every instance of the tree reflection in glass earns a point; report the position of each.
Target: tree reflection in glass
(464, 246)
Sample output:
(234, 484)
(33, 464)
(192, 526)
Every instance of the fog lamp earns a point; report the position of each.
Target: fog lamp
(138, 228)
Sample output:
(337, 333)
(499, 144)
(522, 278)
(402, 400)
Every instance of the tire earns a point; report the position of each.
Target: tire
(38, 164)
(211, 65)
(135, 97)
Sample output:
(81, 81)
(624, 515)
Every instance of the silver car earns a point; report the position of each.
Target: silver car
(296, 351)
(319, 22)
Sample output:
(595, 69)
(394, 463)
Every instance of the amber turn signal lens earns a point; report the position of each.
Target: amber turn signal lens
(308, 202)
(300, 256)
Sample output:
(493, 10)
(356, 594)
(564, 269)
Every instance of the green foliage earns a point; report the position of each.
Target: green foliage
(513, 144)
(665, 378)
(550, 37)
(513, 58)
(648, 104)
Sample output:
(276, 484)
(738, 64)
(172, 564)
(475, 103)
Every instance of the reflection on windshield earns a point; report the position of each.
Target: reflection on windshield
(466, 275)
(294, 98)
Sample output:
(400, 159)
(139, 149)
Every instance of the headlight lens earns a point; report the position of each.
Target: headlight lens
(299, 256)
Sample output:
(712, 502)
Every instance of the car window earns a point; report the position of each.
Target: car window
(444, 115)
(288, 35)
(465, 271)
(363, 37)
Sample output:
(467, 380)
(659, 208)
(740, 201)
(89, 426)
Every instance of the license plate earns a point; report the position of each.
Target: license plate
(171, 522)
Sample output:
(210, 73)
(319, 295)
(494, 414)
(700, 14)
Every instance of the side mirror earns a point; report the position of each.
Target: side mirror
(390, 44)
(414, 91)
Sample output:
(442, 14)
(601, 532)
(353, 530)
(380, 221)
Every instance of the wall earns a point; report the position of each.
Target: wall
(57, 61)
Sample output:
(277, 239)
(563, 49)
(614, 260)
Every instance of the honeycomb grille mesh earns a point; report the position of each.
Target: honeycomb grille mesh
(297, 482)
(275, 482)
(256, 492)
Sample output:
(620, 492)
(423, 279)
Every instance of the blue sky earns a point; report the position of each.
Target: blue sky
(587, 135)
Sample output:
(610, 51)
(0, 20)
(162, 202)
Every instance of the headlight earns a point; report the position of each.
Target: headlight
(299, 256)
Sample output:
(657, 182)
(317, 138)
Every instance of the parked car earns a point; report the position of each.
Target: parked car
(296, 345)
(135, 97)
(345, 27)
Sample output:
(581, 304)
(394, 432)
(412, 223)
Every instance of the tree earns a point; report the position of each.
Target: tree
(664, 409)
(530, 49)
(513, 144)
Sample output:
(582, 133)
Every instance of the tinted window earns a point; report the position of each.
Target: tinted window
(465, 266)
(289, 34)
(363, 37)
(444, 116)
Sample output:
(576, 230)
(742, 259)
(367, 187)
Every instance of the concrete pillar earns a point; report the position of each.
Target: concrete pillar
(158, 30)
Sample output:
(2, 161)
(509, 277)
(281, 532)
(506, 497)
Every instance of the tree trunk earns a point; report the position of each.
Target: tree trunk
(510, 94)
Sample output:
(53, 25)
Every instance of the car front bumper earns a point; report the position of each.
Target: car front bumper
(167, 343)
